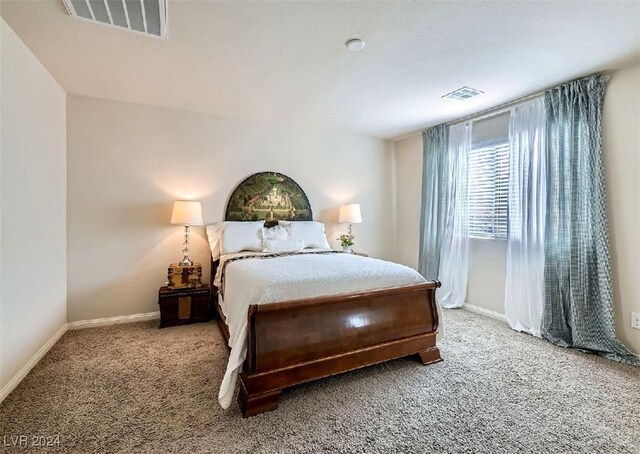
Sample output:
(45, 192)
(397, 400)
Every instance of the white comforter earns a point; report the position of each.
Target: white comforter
(261, 281)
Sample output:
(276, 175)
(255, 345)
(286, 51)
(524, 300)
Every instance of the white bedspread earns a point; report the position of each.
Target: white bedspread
(261, 281)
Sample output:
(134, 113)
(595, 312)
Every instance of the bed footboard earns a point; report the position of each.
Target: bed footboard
(298, 341)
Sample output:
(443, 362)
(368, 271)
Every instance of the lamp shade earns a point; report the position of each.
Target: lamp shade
(186, 212)
(350, 213)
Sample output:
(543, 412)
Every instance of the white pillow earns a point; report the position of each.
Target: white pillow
(241, 236)
(310, 232)
(289, 245)
(214, 231)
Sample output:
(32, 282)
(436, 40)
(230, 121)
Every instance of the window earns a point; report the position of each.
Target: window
(488, 190)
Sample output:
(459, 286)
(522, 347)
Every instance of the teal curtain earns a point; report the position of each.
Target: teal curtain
(435, 143)
(578, 306)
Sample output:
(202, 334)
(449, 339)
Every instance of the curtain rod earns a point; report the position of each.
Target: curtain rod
(496, 110)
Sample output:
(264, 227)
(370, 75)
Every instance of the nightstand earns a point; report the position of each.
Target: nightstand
(182, 306)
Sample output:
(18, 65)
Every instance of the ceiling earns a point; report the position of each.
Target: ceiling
(286, 63)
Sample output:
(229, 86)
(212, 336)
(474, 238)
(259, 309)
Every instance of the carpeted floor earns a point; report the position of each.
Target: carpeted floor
(134, 388)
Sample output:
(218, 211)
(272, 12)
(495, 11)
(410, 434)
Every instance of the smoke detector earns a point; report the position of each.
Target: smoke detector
(148, 17)
(463, 94)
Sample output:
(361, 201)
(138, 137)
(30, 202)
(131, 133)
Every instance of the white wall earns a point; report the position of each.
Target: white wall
(32, 206)
(487, 258)
(408, 177)
(127, 163)
(621, 126)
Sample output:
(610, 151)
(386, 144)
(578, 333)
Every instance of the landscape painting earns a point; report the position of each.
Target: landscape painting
(268, 196)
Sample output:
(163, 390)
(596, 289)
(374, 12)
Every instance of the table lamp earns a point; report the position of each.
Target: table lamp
(350, 214)
(186, 213)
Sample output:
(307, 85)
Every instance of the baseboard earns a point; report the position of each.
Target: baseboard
(17, 378)
(81, 324)
(485, 312)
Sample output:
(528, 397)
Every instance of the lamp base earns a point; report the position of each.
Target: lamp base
(186, 262)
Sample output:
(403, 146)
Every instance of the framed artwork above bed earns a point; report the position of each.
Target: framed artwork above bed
(270, 196)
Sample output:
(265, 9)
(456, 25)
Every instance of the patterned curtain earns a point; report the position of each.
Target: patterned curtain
(578, 306)
(454, 253)
(433, 216)
(444, 225)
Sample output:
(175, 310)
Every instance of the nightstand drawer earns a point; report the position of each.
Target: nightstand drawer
(183, 306)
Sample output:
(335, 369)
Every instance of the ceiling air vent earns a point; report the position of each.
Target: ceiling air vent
(141, 16)
(462, 94)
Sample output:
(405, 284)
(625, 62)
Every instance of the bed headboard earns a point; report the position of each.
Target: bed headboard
(268, 195)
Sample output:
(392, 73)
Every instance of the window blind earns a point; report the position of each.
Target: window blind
(488, 191)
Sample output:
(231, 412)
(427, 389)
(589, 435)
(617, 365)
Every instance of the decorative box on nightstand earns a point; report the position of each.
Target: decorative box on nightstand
(184, 276)
(182, 306)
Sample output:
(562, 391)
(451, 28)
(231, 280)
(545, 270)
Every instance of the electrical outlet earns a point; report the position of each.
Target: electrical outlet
(635, 320)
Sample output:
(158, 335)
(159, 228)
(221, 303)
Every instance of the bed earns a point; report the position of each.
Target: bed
(297, 316)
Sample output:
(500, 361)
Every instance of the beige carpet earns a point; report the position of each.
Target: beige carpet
(134, 388)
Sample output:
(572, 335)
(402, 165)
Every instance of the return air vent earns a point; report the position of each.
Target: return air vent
(141, 16)
(462, 94)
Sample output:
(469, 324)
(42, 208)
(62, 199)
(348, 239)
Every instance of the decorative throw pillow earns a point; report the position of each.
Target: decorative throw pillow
(277, 232)
(288, 245)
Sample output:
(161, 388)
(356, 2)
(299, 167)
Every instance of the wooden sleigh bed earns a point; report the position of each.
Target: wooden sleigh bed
(293, 342)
